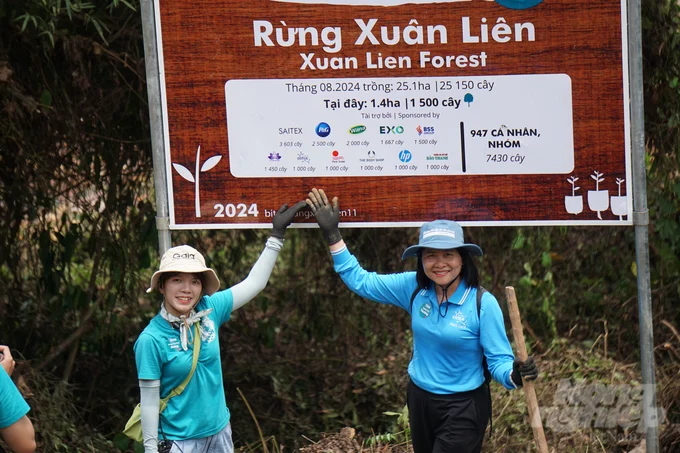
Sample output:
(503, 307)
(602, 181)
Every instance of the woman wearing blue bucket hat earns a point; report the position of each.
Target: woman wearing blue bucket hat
(458, 330)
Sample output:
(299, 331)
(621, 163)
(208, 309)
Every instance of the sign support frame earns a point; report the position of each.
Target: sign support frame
(641, 222)
(156, 124)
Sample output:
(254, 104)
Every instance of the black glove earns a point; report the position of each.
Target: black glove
(527, 370)
(284, 217)
(327, 215)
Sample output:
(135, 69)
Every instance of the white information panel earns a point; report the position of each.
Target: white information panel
(512, 124)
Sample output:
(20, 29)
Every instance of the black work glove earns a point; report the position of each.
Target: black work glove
(527, 370)
(327, 215)
(284, 217)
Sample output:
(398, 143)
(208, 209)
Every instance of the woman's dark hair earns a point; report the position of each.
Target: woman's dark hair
(165, 276)
(469, 272)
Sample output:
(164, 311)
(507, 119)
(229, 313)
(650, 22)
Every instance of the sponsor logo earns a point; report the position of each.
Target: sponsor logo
(371, 157)
(302, 157)
(336, 157)
(391, 129)
(438, 156)
(323, 130)
(274, 157)
(425, 310)
(357, 129)
(405, 155)
(518, 4)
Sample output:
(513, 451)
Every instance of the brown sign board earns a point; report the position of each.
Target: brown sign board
(506, 112)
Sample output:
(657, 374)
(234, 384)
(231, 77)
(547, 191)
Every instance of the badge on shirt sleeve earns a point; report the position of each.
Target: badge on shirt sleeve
(425, 310)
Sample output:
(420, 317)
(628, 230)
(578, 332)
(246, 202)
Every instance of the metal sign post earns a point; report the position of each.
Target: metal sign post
(641, 221)
(156, 123)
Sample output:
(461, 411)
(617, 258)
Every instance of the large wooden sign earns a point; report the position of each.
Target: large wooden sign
(481, 111)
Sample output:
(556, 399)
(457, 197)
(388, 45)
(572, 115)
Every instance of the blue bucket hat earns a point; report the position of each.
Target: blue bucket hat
(441, 235)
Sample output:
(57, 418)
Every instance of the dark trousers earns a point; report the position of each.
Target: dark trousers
(447, 423)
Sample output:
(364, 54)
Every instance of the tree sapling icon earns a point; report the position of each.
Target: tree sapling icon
(598, 200)
(468, 98)
(573, 203)
(186, 174)
(619, 203)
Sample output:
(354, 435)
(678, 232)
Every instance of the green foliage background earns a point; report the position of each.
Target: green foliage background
(78, 244)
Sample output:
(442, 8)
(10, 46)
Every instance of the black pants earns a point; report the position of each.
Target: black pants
(447, 423)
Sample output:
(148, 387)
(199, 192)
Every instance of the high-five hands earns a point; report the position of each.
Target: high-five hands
(284, 217)
(327, 215)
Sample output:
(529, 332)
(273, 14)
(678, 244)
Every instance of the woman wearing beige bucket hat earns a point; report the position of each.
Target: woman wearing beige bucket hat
(197, 420)
(458, 331)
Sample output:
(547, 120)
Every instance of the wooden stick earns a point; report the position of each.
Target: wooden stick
(529, 391)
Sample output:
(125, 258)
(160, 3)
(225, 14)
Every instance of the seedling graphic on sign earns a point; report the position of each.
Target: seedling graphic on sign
(598, 200)
(619, 202)
(186, 174)
(573, 203)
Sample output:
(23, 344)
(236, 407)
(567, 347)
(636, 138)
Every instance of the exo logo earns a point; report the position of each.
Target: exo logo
(391, 129)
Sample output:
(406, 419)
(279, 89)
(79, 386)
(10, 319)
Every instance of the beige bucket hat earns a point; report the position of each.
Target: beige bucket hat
(184, 258)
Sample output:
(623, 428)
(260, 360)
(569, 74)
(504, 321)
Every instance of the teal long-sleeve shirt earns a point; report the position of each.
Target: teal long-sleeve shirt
(448, 344)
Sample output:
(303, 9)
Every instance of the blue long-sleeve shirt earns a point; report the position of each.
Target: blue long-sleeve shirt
(448, 343)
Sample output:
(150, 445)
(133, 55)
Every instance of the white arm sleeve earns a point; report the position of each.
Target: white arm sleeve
(150, 402)
(259, 275)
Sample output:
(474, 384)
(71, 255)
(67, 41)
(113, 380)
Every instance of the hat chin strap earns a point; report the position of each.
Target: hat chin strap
(445, 297)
